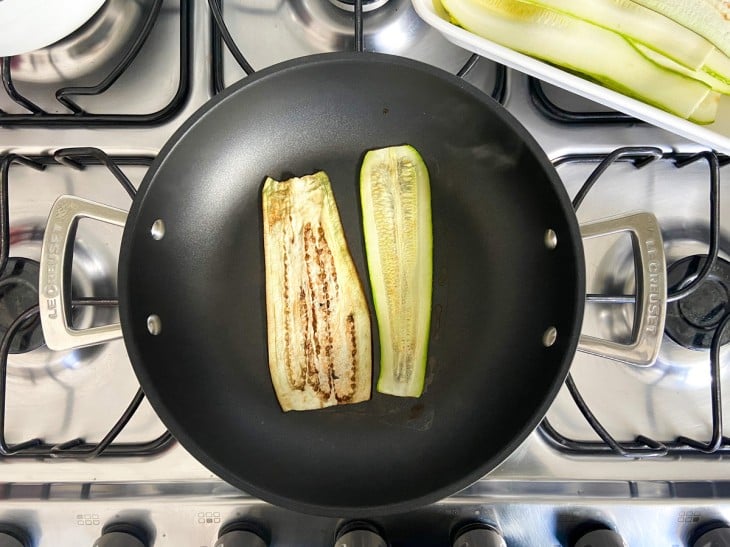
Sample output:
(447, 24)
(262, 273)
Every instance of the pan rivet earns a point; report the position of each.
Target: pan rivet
(158, 229)
(551, 239)
(154, 324)
(548, 339)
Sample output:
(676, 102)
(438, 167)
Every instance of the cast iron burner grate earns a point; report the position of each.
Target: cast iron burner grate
(18, 325)
(682, 293)
(552, 111)
(76, 115)
(220, 34)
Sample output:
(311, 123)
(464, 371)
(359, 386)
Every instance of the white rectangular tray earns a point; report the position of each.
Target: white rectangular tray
(715, 135)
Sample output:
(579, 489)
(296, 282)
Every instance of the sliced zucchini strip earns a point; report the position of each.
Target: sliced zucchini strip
(708, 18)
(582, 47)
(396, 208)
(638, 24)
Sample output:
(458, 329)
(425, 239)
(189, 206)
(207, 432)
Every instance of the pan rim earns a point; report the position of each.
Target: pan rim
(197, 451)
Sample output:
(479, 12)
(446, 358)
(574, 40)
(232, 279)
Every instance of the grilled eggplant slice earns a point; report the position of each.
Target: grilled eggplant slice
(318, 322)
(396, 206)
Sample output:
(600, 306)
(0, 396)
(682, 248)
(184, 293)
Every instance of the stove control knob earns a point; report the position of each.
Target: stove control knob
(241, 534)
(601, 538)
(12, 536)
(359, 534)
(478, 535)
(121, 534)
(714, 534)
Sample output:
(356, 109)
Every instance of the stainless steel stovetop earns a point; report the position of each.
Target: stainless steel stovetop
(537, 497)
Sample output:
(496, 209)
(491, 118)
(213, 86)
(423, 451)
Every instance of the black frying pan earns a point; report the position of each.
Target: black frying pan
(497, 287)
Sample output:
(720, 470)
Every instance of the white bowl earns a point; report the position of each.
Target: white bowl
(27, 25)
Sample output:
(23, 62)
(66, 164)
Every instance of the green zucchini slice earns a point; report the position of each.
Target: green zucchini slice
(708, 18)
(721, 86)
(638, 24)
(396, 214)
(576, 45)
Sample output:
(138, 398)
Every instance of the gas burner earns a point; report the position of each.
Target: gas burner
(367, 5)
(693, 320)
(680, 363)
(278, 30)
(19, 292)
(327, 25)
(92, 275)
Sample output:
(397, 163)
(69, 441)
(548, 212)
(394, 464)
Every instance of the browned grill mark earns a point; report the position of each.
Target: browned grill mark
(308, 365)
(333, 269)
(311, 344)
(324, 259)
(294, 381)
(311, 365)
(344, 395)
(316, 366)
(309, 242)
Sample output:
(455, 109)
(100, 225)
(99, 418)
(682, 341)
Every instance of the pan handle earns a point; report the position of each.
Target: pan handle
(651, 294)
(643, 227)
(56, 255)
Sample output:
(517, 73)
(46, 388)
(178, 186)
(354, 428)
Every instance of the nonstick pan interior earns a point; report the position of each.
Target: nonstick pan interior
(497, 287)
